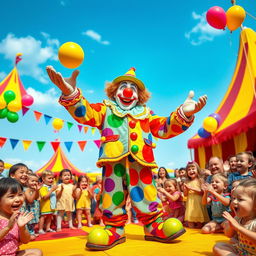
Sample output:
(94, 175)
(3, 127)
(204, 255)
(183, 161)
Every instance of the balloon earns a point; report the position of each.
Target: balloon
(2, 103)
(14, 106)
(9, 96)
(216, 17)
(3, 113)
(12, 117)
(203, 133)
(98, 236)
(216, 116)
(27, 100)
(235, 17)
(172, 226)
(210, 124)
(71, 55)
(57, 123)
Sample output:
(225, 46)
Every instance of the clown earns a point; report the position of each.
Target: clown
(127, 128)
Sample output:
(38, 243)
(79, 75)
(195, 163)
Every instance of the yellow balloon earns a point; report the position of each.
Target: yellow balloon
(71, 55)
(57, 123)
(235, 17)
(2, 103)
(210, 124)
(14, 106)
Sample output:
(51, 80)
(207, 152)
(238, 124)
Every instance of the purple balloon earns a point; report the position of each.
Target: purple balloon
(216, 116)
(203, 133)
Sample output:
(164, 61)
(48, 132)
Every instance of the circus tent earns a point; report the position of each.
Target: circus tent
(237, 128)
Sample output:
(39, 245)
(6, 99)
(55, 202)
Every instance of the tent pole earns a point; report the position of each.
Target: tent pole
(191, 154)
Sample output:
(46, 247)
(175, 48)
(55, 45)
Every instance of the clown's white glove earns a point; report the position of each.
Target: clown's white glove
(190, 106)
(66, 85)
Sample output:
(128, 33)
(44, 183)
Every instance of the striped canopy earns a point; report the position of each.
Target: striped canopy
(237, 129)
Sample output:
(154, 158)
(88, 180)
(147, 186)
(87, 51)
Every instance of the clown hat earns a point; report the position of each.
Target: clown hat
(130, 76)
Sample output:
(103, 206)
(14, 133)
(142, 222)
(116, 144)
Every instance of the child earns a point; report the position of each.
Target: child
(32, 195)
(65, 199)
(174, 207)
(244, 161)
(196, 213)
(19, 172)
(214, 195)
(47, 202)
(96, 192)
(232, 163)
(83, 196)
(12, 222)
(162, 176)
(1, 168)
(244, 224)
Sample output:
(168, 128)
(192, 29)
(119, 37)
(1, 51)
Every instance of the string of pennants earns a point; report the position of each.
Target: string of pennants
(48, 118)
(40, 144)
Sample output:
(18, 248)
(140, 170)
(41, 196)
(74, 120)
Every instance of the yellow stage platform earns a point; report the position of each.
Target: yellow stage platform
(191, 243)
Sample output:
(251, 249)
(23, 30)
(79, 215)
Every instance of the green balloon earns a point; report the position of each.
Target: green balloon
(3, 113)
(9, 96)
(12, 117)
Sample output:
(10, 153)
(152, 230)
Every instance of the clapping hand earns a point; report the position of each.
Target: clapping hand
(24, 218)
(12, 220)
(232, 222)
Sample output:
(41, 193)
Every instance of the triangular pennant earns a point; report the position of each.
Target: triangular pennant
(40, 145)
(37, 115)
(79, 127)
(93, 129)
(14, 143)
(82, 144)
(26, 144)
(24, 110)
(55, 145)
(47, 119)
(68, 145)
(69, 124)
(97, 143)
(86, 129)
(2, 141)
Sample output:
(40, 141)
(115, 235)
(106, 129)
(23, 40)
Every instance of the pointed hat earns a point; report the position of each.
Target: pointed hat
(130, 76)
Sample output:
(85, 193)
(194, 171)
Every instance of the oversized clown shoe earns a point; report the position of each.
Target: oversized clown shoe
(127, 128)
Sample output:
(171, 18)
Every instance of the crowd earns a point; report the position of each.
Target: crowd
(219, 198)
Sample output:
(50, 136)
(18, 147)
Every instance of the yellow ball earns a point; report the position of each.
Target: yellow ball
(57, 123)
(98, 236)
(210, 124)
(172, 226)
(71, 55)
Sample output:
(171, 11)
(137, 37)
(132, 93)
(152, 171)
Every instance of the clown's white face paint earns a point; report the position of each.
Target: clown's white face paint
(127, 95)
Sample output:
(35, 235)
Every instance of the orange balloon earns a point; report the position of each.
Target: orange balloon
(57, 123)
(235, 17)
(14, 106)
(2, 103)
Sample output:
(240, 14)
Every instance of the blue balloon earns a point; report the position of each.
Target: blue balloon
(216, 116)
(203, 133)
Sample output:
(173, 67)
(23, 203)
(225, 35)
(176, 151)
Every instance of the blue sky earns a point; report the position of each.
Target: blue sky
(169, 43)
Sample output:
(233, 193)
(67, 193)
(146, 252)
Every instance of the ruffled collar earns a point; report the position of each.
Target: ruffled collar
(137, 112)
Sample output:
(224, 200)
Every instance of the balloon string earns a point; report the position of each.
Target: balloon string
(251, 15)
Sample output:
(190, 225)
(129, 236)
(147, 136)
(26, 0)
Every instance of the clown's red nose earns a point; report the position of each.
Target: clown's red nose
(128, 92)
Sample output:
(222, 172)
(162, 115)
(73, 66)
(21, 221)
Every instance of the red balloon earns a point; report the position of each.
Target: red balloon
(216, 17)
(27, 100)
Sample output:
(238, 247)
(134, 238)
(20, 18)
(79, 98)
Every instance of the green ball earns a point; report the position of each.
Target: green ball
(3, 113)
(134, 149)
(9, 96)
(12, 117)
(98, 236)
(172, 226)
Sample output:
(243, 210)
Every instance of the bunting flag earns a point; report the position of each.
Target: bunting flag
(55, 145)
(26, 144)
(82, 144)
(40, 145)
(14, 143)
(37, 115)
(68, 145)
(93, 130)
(47, 119)
(97, 143)
(24, 110)
(2, 141)
(86, 129)
(79, 127)
(69, 124)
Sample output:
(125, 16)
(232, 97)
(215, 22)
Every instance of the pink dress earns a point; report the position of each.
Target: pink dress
(9, 245)
(176, 204)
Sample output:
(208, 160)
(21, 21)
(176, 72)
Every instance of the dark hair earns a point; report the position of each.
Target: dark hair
(65, 170)
(1, 161)
(15, 167)
(166, 173)
(9, 184)
(80, 179)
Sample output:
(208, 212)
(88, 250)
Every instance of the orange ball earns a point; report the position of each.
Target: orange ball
(71, 55)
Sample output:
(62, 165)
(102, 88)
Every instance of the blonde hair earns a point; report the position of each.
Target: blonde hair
(249, 186)
(194, 164)
(173, 181)
(249, 154)
(222, 177)
(46, 173)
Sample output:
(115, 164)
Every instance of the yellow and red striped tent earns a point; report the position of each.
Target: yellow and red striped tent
(237, 129)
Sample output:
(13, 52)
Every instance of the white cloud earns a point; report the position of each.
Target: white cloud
(2, 75)
(89, 91)
(170, 164)
(95, 36)
(50, 97)
(202, 31)
(33, 54)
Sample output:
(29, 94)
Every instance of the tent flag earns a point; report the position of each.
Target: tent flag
(69, 124)
(2, 141)
(26, 144)
(47, 119)
(24, 110)
(14, 143)
(79, 127)
(82, 144)
(40, 145)
(93, 129)
(97, 143)
(37, 115)
(86, 129)
(55, 145)
(68, 145)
